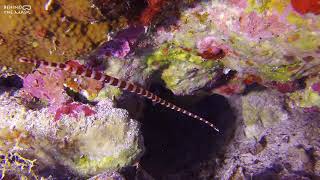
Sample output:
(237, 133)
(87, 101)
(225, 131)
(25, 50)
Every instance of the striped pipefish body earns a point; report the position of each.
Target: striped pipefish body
(109, 80)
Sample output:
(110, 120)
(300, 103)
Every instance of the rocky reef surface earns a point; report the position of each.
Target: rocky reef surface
(271, 142)
(252, 66)
(34, 143)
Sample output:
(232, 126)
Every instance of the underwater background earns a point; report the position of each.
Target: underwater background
(160, 89)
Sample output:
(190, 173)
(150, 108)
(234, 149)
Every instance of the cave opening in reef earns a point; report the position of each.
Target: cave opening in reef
(180, 146)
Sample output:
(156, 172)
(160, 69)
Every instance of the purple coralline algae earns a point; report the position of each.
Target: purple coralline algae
(46, 85)
(121, 44)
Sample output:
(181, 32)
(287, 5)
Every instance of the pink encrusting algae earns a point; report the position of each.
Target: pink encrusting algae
(316, 87)
(121, 44)
(256, 26)
(209, 48)
(47, 86)
(73, 109)
(239, 3)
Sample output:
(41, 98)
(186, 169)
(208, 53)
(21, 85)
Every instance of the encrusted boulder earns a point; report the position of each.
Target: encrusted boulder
(281, 143)
(34, 143)
(273, 43)
(262, 110)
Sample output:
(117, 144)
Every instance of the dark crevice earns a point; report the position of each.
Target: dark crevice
(78, 97)
(254, 87)
(177, 144)
(13, 81)
(130, 9)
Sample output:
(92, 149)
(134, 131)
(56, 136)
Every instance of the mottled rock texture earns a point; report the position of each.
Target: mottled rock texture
(82, 146)
(58, 30)
(192, 47)
(108, 175)
(261, 110)
(267, 42)
(268, 53)
(287, 146)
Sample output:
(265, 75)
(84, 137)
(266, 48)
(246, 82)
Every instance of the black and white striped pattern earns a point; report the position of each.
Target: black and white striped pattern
(106, 79)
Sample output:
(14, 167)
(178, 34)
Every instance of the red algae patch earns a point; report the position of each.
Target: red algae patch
(73, 109)
(306, 6)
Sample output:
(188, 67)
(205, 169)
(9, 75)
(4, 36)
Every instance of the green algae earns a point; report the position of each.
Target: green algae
(259, 7)
(307, 41)
(183, 71)
(262, 6)
(296, 19)
(306, 99)
(108, 92)
(125, 157)
(202, 17)
(278, 73)
(106, 146)
(261, 110)
(167, 55)
(184, 78)
(240, 44)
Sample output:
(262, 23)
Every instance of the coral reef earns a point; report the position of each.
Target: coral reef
(261, 55)
(279, 143)
(81, 10)
(108, 175)
(268, 45)
(270, 40)
(47, 86)
(109, 80)
(309, 97)
(81, 145)
(260, 112)
(121, 44)
(54, 33)
(180, 67)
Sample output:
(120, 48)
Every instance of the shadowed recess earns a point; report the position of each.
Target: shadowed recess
(175, 143)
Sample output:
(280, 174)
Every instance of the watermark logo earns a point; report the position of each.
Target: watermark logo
(16, 9)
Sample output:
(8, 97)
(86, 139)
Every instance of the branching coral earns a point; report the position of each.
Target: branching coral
(16, 162)
(11, 161)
